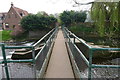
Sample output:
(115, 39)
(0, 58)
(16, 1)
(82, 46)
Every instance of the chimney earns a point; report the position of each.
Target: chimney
(12, 4)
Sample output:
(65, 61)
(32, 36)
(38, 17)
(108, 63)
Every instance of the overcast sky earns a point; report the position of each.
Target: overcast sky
(49, 6)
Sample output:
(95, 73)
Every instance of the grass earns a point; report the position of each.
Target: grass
(5, 35)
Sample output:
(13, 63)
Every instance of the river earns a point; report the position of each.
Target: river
(28, 70)
(9, 53)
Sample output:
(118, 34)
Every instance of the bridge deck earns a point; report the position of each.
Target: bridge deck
(59, 65)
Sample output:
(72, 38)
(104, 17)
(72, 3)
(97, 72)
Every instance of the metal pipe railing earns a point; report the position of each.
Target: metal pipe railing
(45, 44)
(84, 58)
(78, 38)
(5, 62)
(17, 47)
(105, 66)
(68, 33)
(1, 62)
(32, 47)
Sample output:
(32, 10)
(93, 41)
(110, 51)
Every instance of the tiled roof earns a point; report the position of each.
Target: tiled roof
(21, 11)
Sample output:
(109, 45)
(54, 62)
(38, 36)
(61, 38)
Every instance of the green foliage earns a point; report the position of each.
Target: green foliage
(119, 18)
(71, 17)
(51, 21)
(38, 21)
(5, 35)
(79, 17)
(81, 28)
(101, 23)
(105, 16)
(42, 13)
(30, 22)
(65, 18)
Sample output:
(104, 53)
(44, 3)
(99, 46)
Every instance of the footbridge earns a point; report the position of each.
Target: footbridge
(56, 55)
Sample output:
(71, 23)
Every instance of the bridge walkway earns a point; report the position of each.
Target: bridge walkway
(59, 65)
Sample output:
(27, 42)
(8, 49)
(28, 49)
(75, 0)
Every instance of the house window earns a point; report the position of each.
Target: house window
(13, 26)
(21, 14)
(7, 25)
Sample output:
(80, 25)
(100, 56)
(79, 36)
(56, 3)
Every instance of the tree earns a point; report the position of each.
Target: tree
(38, 21)
(42, 13)
(71, 17)
(80, 17)
(30, 22)
(52, 21)
(65, 18)
(105, 16)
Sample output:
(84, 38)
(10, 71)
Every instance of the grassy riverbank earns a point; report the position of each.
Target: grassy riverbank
(28, 36)
(5, 35)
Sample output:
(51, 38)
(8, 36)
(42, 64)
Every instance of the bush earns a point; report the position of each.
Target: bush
(35, 22)
(81, 28)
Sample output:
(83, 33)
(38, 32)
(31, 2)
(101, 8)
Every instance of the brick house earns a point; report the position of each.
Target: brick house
(13, 18)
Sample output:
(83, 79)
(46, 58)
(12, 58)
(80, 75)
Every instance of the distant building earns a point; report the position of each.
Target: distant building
(88, 18)
(2, 17)
(13, 18)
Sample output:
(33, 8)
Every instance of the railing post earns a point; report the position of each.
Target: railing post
(74, 40)
(90, 64)
(5, 62)
(33, 57)
(69, 36)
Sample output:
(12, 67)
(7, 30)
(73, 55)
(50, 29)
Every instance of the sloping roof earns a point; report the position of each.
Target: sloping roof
(18, 11)
(21, 11)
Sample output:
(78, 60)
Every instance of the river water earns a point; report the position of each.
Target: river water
(17, 66)
(26, 70)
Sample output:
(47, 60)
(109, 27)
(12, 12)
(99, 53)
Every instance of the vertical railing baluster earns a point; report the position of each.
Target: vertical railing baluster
(5, 62)
(90, 64)
(74, 40)
(34, 64)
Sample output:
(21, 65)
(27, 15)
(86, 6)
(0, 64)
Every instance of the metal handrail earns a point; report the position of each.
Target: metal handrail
(46, 42)
(17, 47)
(78, 38)
(34, 45)
(84, 58)
(5, 61)
(1, 62)
(91, 50)
(116, 49)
